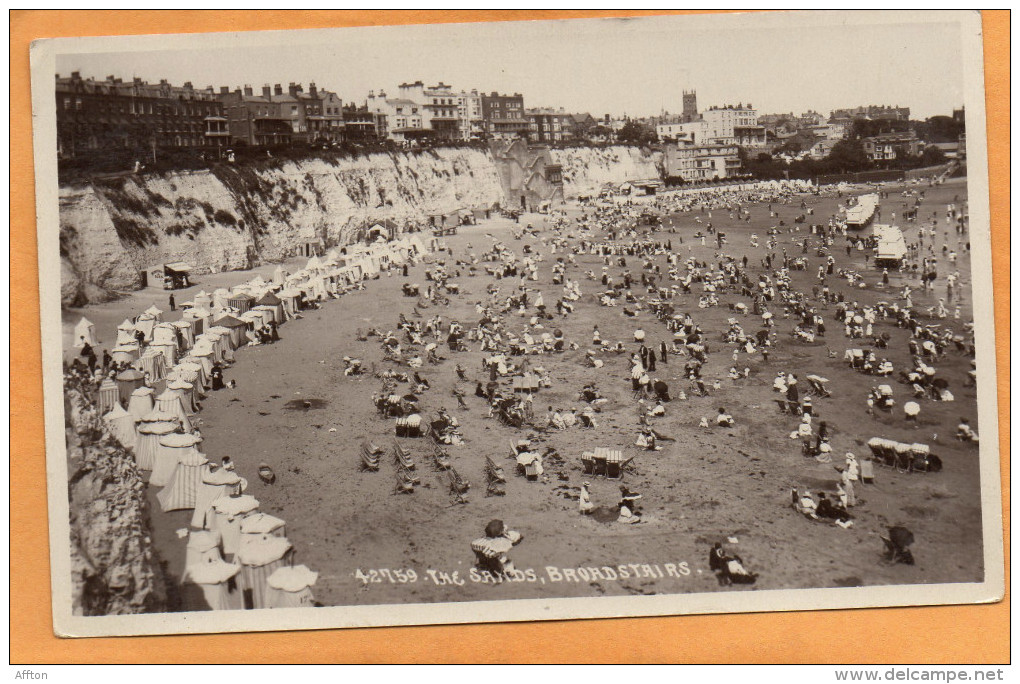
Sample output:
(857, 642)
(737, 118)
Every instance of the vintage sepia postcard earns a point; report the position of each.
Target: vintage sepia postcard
(516, 321)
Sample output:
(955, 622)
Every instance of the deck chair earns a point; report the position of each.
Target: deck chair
(369, 460)
(403, 486)
(495, 472)
(402, 458)
(495, 488)
(457, 483)
(408, 476)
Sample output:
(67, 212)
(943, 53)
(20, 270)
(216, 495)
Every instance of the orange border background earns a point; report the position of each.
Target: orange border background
(946, 634)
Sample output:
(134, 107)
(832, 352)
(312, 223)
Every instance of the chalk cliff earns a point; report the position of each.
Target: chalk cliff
(234, 217)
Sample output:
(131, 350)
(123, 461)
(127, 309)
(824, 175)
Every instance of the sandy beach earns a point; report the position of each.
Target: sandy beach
(709, 485)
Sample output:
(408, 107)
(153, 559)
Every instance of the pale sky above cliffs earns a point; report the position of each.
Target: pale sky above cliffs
(778, 62)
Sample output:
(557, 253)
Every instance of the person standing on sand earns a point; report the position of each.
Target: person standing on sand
(173, 303)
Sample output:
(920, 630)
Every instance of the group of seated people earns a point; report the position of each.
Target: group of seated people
(824, 509)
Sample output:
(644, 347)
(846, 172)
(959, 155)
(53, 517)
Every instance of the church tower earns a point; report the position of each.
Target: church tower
(690, 112)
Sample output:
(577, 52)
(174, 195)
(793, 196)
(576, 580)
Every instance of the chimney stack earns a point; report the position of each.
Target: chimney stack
(278, 89)
(224, 90)
(247, 91)
(312, 90)
(267, 91)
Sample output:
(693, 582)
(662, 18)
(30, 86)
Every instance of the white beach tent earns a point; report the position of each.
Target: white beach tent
(155, 312)
(291, 587)
(279, 275)
(145, 324)
(186, 328)
(128, 352)
(228, 511)
(212, 576)
(172, 449)
(164, 333)
(140, 403)
(122, 425)
(260, 556)
(216, 482)
(203, 300)
(182, 490)
(263, 523)
(85, 332)
(203, 546)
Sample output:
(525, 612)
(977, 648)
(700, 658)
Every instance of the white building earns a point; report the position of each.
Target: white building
(695, 163)
(728, 125)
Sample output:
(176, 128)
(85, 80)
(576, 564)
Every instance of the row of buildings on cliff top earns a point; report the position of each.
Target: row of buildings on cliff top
(95, 114)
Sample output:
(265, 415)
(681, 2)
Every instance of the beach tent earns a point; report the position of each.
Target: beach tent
(203, 546)
(220, 297)
(202, 355)
(147, 443)
(85, 332)
(279, 275)
(216, 482)
(145, 324)
(126, 353)
(126, 336)
(164, 333)
(235, 327)
(260, 556)
(186, 329)
(140, 402)
(171, 402)
(254, 318)
(182, 490)
(127, 325)
(313, 264)
(172, 449)
(213, 576)
(191, 371)
(128, 381)
(228, 511)
(153, 364)
(270, 314)
(186, 391)
(203, 300)
(121, 424)
(289, 300)
(155, 312)
(271, 300)
(168, 350)
(263, 523)
(241, 302)
(109, 396)
(290, 587)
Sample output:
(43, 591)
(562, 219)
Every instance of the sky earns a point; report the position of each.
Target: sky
(778, 62)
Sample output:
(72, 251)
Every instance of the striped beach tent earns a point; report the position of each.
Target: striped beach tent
(215, 482)
(147, 443)
(182, 491)
(109, 396)
(170, 401)
(153, 364)
(171, 449)
(186, 391)
(260, 556)
(291, 587)
(228, 511)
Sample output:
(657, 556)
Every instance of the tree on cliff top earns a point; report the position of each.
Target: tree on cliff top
(636, 133)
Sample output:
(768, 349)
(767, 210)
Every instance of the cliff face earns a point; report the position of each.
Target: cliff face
(236, 217)
(114, 568)
(587, 169)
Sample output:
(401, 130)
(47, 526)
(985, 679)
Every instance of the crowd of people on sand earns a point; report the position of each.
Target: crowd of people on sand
(647, 276)
(650, 276)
